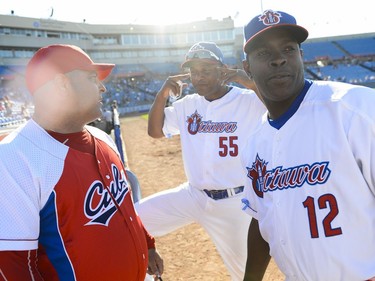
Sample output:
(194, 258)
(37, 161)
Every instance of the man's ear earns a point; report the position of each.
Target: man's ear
(222, 74)
(61, 81)
(246, 67)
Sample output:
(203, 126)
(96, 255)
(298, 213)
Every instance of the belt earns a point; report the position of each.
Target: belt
(224, 193)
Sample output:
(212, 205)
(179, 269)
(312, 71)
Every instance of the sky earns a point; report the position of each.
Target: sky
(322, 18)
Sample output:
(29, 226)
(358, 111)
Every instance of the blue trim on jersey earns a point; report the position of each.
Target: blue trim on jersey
(279, 122)
(52, 242)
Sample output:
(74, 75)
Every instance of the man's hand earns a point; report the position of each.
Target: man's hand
(238, 76)
(155, 264)
(172, 84)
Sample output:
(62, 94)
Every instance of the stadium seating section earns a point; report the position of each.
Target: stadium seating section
(134, 86)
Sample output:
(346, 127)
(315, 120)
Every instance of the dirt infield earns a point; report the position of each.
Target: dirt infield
(188, 253)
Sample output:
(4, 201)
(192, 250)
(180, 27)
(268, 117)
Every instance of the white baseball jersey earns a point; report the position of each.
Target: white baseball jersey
(310, 183)
(211, 134)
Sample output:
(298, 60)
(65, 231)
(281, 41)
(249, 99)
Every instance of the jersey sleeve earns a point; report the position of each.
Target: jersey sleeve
(19, 201)
(31, 163)
(361, 137)
(170, 126)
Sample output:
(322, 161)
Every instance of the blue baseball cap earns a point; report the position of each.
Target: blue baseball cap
(272, 19)
(206, 51)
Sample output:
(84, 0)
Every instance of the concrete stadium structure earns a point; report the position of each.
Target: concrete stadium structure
(131, 47)
(154, 52)
(124, 44)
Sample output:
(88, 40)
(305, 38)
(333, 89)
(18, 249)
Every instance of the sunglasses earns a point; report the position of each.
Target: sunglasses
(201, 54)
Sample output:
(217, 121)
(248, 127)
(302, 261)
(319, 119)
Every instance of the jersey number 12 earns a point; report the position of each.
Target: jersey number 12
(324, 201)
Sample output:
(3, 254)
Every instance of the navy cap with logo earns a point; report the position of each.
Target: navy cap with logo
(206, 51)
(272, 19)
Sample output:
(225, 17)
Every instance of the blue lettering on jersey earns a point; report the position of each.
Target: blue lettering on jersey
(196, 125)
(278, 179)
(99, 205)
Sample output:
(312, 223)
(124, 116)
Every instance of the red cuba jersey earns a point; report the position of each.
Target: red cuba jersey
(74, 207)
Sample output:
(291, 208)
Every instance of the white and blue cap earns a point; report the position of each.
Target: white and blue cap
(203, 51)
(269, 20)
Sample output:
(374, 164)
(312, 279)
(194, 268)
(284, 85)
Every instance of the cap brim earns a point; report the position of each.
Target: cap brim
(189, 63)
(103, 69)
(297, 31)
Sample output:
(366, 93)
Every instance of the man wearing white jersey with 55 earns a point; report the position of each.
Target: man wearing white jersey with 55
(213, 125)
(309, 166)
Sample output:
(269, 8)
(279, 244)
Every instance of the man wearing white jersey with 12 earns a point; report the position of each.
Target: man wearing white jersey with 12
(310, 164)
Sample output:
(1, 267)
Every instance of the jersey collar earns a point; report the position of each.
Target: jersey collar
(279, 122)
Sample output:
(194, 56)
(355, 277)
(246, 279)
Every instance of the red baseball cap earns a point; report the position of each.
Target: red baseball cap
(53, 59)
